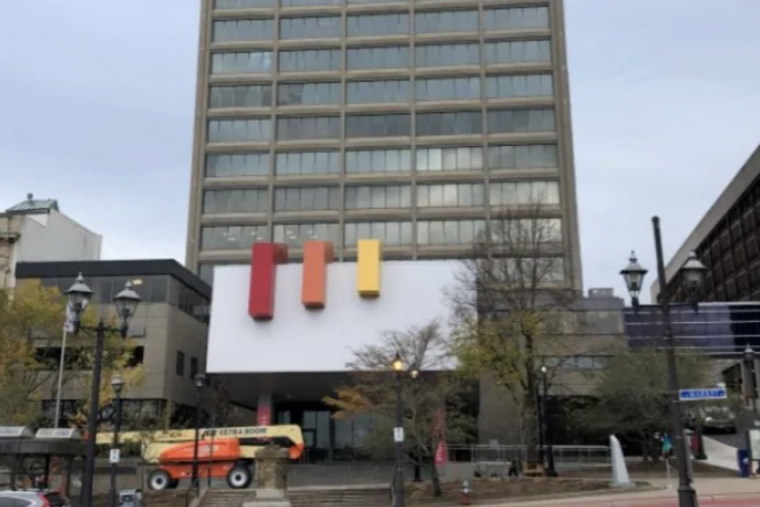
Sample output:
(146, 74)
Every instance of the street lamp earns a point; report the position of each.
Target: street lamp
(397, 365)
(546, 430)
(693, 272)
(749, 391)
(78, 297)
(118, 385)
(200, 383)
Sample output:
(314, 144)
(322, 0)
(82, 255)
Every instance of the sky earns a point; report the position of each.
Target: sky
(97, 109)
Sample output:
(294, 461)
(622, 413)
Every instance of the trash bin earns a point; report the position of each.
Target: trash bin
(742, 459)
(130, 498)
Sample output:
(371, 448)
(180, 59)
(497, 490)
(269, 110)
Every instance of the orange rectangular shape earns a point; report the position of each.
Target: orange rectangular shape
(316, 256)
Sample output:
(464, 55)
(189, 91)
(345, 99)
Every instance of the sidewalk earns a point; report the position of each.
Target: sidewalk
(709, 491)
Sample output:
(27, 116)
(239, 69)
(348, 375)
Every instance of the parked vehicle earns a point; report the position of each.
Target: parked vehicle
(227, 453)
(32, 498)
(713, 419)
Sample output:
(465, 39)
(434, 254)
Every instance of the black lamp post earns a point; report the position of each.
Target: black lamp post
(414, 373)
(551, 470)
(117, 384)
(126, 301)
(397, 365)
(750, 390)
(200, 383)
(693, 272)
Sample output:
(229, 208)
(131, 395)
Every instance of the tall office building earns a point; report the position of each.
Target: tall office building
(411, 122)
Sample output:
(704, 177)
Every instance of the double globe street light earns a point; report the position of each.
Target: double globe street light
(693, 273)
(78, 296)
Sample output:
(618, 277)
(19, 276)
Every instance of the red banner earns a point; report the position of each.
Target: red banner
(439, 436)
(263, 415)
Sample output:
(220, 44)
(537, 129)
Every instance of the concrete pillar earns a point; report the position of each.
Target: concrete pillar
(756, 376)
(264, 410)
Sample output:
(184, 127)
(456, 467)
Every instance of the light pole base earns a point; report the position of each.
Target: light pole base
(687, 497)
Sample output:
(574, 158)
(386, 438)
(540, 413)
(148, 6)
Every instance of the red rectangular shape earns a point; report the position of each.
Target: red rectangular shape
(264, 260)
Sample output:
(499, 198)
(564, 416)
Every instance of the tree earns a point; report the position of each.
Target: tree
(28, 318)
(514, 307)
(433, 399)
(632, 396)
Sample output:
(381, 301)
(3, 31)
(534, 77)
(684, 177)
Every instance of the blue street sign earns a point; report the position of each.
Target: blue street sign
(704, 393)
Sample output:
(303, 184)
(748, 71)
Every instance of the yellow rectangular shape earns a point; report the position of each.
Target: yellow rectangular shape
(368, 268)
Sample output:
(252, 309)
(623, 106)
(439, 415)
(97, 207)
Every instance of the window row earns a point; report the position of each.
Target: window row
(293, 128)
(383, 91)
(445, 159)
(270, 4)
(382, 57)
(373, 25)
(316, 198)
(391, 233)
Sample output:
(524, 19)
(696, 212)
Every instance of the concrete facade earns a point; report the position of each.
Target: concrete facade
(726, 241)
(169, 329)
(35, 230)
(325, 120)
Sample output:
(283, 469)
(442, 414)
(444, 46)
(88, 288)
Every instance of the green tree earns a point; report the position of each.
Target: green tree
(514, 307)
(631, 394)
(435, 398)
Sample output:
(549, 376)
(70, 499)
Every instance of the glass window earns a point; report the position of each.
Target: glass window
(193, 366)
(154, 289)
(389, 233)
(532, 51)
(179, 367)
(309, 3)
(239, 130)
(241, 96)
(306, 198)
(519, 85)
(449, 159)
(378, 197)
(506, 121)
(524, 193)
(230, 165)
(446, 55)
(310, 60)
(291, 94)
(446, 21)
(383, 57)
(317, 27)
(307, 162)
(515, 18)
(449, 124)
(233, 237)
(460, 88)
(236, 201)
(242, 62)
(378, 161)
(529, 229)
(378, 125)
(448, 232)
(294, 235)
(308, 127)
(243, 30)
(243, 4)
(542, 156)
(450, 195)
(368, 25)
(377, 92)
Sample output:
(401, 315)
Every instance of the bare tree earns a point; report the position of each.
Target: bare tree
(515, 309)
(434, 398)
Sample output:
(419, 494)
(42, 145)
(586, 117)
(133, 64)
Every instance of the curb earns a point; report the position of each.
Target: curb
(654, 501)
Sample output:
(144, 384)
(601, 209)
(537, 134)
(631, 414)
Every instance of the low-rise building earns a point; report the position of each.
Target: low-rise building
(169, 330)
(35, 230)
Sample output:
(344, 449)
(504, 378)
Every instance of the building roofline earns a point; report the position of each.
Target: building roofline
(722, 205)
(137, 267)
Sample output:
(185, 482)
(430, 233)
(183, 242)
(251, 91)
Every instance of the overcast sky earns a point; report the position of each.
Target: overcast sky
(97, 101)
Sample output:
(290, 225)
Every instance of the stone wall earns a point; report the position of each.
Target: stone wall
(484, 489)
(176, 498)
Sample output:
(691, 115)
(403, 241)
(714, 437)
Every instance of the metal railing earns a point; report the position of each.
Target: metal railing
(563, 454)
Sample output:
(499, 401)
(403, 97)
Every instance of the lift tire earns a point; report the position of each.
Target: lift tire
(159, 480)
(239, 477)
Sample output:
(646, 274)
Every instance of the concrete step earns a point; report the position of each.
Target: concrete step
(306, 497)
